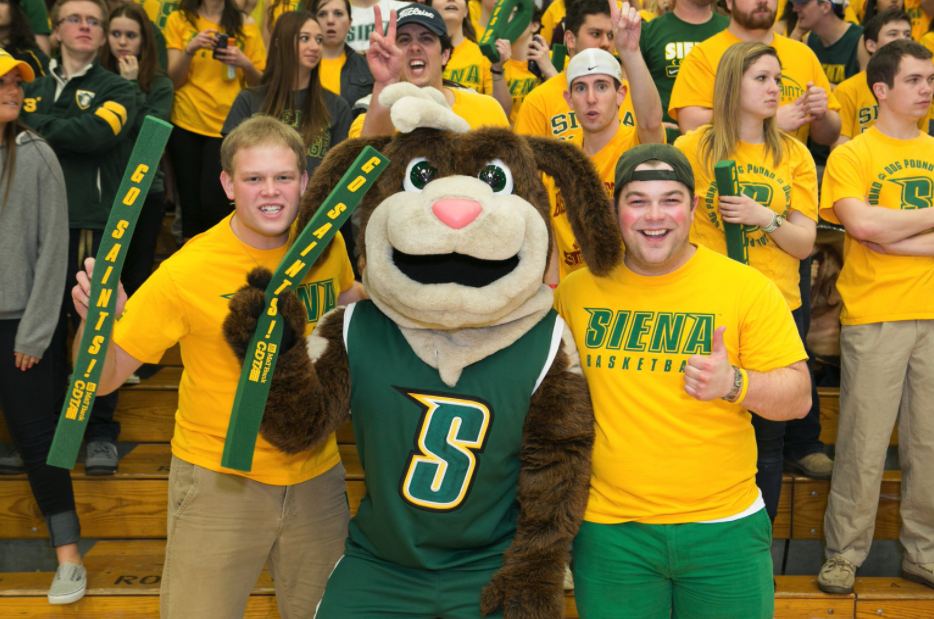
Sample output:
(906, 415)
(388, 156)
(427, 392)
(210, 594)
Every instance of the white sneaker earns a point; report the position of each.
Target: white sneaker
(69, 584)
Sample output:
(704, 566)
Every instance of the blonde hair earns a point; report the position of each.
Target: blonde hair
(720, 139)
(262, 131)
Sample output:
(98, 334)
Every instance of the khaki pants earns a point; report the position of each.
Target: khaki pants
(222, 528)
(884, 364)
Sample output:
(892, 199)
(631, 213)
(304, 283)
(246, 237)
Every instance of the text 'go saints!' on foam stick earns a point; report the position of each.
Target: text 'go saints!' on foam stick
(102, 302)
(728, 185)
(259, 364)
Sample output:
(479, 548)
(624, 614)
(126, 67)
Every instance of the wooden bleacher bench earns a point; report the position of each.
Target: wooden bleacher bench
(128, 512)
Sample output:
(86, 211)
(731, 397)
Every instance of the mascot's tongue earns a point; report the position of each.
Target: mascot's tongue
(453, 268)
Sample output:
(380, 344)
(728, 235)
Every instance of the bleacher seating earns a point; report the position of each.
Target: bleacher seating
(127, 512)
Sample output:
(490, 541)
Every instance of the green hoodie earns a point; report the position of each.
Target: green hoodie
(88, 121)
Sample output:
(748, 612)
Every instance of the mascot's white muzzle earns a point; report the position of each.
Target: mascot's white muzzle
(456, 253)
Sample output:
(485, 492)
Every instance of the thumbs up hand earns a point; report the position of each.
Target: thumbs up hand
(710, 377)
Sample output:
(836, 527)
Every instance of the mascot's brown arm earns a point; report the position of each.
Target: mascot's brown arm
(589, 207)
(552, 492)
(307, 399)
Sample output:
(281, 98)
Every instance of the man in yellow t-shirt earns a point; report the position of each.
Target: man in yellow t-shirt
(595, 94)
(415, 49)
(858, 107)
(544, 111)
(678, 344)
(290, 511)
(880, 186)
(807, 106)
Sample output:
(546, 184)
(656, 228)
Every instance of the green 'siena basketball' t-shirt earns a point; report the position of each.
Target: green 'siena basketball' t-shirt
(665, 41)
(441, 462)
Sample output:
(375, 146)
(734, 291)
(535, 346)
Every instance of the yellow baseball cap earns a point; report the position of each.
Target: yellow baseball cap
(8, 63)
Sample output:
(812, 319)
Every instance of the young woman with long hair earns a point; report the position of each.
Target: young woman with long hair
(777, 206)
(215, 50)
(131, 53)
(17, 39)
(290, 90)
(34, 237)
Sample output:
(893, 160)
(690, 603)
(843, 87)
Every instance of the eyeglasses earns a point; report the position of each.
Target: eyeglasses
(77, 20)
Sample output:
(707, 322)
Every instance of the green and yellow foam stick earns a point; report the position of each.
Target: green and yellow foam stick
(728, 185)
(504, 25)
(102, 302)
(263, 349)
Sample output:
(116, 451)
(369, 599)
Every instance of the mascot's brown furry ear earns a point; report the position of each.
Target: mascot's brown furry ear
(329, 173)
(588, 205)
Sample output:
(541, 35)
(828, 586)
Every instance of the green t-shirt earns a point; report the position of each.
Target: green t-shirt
(37, 16)
(839, 63)
(441, 463)
(665, 41)
(839, 59)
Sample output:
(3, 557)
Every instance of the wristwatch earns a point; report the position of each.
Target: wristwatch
(775, 224)
(737, 386)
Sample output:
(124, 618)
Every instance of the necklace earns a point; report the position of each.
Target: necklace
(242, 244)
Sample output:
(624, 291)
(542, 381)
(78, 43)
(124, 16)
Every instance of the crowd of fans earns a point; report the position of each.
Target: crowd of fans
(778, 88)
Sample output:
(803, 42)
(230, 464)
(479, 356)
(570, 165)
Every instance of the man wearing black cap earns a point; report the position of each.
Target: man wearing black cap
(677, 344)
(415, 48)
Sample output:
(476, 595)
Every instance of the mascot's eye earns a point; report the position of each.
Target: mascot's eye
(418, 174)
(498, 176)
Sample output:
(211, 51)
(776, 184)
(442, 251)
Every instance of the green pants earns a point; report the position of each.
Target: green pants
(367, 588)
(676, 571)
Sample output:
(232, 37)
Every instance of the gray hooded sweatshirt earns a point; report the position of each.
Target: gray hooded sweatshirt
(34, 239)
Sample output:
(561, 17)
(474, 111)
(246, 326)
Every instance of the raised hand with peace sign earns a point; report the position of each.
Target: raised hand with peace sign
(627, 26)
(383, 57)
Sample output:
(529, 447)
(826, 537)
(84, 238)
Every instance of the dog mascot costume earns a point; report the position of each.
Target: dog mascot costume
(472, 418)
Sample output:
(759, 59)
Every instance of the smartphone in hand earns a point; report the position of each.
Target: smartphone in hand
(221, 44)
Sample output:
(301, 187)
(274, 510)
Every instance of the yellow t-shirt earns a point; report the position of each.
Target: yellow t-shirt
(858, 108)
(790, 186)
(570, 258)
(475, 10)
(545, 112)
(551, 18)
(521, 82)
(660, 456)
(887, 173)
(920, 21)
(284, 6)
(159, 10)
(329, 72)
(478, 110)
(186, 301)
(695, 81)
(470, 68)
(202, 103)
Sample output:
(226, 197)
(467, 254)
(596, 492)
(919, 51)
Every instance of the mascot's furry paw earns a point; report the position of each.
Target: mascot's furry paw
(247, 305)
(411, 107)
(533, 594)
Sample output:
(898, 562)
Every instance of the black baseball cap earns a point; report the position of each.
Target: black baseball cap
(626, 167)
(423, 15)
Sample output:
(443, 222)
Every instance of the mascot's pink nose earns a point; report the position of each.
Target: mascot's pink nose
(456, 213)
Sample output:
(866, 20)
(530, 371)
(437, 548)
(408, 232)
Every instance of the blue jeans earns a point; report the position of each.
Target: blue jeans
(777, 440)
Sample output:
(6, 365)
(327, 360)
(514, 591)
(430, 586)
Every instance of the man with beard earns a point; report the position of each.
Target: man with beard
(677, 344)
(666, 41)
(807, 105)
